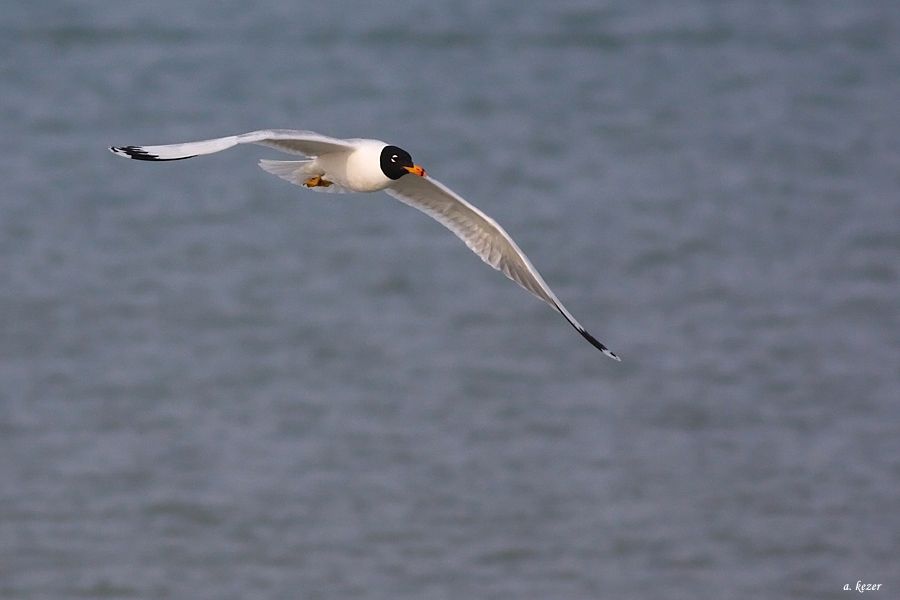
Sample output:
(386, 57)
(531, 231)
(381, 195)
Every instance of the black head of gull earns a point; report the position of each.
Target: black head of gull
(396, 162)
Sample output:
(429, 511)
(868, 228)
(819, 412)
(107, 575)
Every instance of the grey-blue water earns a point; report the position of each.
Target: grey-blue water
(216, 385)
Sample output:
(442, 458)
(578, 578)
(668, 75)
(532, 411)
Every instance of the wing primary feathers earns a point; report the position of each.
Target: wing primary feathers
(138, 153)
(594, 341)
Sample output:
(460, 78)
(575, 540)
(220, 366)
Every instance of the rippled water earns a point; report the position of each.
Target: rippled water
(215, 385)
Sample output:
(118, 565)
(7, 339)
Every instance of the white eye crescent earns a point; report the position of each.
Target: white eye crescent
(394, 158)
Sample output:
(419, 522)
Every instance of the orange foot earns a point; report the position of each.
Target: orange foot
(317, 181)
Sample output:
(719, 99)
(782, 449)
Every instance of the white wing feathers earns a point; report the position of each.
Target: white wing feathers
(484, 237)
(305, 143)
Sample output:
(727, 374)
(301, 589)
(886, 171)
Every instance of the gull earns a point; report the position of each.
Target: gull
(365, 165)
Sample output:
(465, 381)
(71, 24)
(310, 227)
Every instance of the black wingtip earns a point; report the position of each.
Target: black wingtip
(598, 345)
(138, 153)
(594, 341)
(135, 152)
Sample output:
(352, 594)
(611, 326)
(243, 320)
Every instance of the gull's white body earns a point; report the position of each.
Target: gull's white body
(354, 171)
(353, 165)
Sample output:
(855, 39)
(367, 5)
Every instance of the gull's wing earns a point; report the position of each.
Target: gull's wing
(484, 237)
(306, 143)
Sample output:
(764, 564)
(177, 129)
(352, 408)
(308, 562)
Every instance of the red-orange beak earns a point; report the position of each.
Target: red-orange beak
(416, 170)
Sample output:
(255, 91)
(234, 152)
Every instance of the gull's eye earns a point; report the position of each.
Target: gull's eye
(394, 158)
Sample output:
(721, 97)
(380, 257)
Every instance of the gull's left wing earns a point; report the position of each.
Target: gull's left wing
(484, 237)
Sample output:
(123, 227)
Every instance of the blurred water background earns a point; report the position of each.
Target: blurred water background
(216, 385)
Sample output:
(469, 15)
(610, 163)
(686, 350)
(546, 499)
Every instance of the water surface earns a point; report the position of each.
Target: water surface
(215, 385)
